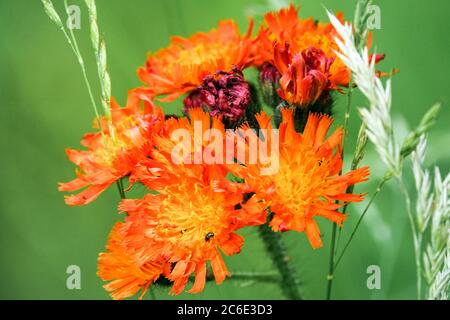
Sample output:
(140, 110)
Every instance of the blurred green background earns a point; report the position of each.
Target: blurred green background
(45, 108)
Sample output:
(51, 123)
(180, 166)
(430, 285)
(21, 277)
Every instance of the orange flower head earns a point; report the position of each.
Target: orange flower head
(113, 152)
(187, 141)
(304, 76)
(195, 215)
(183, 65)
(187, 226)
(285, 27)
(308, 182)
(126, 274)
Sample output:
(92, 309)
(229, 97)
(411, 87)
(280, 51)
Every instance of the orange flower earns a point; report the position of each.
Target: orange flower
(111, 155)
(183, 65)
(304, 76)
(159, 170)
(308, 182)
(283, 41)
(126, 274)
(195, 215)
(188, 224)
(300, 34)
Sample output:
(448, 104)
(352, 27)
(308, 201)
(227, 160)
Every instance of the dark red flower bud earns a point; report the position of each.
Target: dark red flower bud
(225, 93)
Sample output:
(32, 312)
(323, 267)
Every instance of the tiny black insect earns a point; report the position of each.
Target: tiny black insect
(209, 236)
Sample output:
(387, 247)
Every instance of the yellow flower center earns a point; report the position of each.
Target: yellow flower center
(300, 180)
(127, 134)
(193, 218)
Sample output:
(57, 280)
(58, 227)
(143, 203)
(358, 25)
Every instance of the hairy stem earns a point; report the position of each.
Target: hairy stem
(268, 277)
(276, 249)
(260, 276)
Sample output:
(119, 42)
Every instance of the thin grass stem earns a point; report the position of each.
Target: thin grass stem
(352, 235)
(417, 238)
(74, 45)
(334, 241)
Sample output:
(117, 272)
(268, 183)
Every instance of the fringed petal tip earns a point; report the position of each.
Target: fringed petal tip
(86, 196)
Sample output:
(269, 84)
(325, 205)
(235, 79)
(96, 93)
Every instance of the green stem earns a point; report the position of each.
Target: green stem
(357, 157)
(121, 189)
(417, 238)
(271, 277)
(74, 45)
(333, 244)
(347, 110)
(276, 249)
(331, 262)
(377, 191)
(267, 277)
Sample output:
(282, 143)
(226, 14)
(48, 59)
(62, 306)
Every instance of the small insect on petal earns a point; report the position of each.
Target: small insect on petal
(209, 236)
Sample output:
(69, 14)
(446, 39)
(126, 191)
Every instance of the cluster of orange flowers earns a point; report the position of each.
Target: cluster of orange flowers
(195, 214)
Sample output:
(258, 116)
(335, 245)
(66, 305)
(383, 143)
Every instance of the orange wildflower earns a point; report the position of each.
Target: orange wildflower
(285, 40)
(111, 155)
(304, 76)
(127, 274)
(188, 224)
(183, 65)
(192, 219)
(285, 26)
(158, 171)
(308, 182)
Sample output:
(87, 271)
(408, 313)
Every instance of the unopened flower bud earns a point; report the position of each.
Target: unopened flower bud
(226, 94)
(269, 78)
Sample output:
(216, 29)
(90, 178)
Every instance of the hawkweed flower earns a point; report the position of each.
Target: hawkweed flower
(183, 141)
(308, 183)
(304, 76)
(113, 151)
(284, 31)
(285, 26)
(191, 221)
(190, 224)
(119, 265)
(183, 66)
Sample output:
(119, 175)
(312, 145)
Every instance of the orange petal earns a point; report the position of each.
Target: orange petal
(313, 234)
(219, 269)
(179, 285)
(309, 133)
(73, 185)
(86, 196)
(200, 278)
(322, 129)
(232, 245)
(335, 216)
